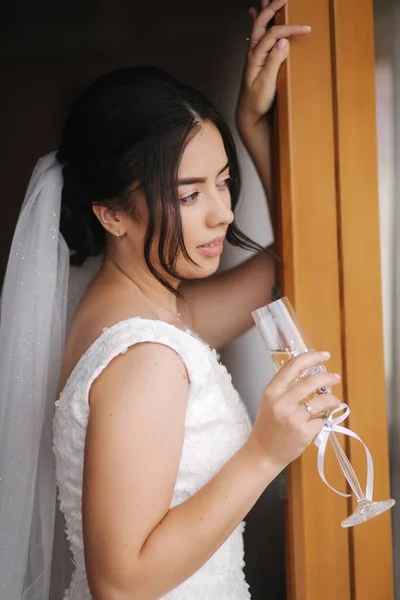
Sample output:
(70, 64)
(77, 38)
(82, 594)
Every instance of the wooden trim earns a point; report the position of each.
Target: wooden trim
(357, 191)
(329, 225)
(319, 547)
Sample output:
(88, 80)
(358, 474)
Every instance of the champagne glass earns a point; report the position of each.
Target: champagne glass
(285, 338)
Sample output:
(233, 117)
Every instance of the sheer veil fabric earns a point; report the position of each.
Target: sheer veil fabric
(33, 323)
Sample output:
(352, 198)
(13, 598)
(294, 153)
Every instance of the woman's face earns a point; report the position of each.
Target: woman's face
(205, 205)
(203, 188)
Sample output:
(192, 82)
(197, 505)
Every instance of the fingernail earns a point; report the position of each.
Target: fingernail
(306, 27)
(282, 43)
(337, 376)
(326, 354)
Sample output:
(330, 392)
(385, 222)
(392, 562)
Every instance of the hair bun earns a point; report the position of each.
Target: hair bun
(79, 225)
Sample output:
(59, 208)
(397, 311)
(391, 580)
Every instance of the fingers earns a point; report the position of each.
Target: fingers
(266, 65)
(273, 35)
(296, 367)
(272, 50)
(318, 405)
(310, 385)
(262, 19)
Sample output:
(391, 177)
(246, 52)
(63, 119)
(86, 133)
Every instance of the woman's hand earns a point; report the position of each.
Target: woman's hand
(284, 427)
(268, 49)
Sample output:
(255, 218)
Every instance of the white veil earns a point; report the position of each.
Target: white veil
(32, 336)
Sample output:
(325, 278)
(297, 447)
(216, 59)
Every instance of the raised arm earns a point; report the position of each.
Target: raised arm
(135, 545)
(221, 306)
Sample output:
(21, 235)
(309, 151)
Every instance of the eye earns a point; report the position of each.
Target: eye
(226, 183)
(190, 199)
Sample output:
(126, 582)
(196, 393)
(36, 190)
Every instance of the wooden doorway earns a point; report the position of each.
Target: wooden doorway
(329, 225)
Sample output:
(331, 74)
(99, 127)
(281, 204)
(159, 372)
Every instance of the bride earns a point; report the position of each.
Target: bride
(155, 459)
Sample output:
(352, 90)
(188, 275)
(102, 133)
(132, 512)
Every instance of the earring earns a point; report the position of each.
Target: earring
(116, 233)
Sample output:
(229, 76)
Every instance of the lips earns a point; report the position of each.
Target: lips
(213, 242)
(210, 245)
(213, 248)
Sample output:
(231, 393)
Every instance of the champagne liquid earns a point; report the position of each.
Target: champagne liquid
(281, 357)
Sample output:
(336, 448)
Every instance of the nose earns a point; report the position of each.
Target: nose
(219, 210)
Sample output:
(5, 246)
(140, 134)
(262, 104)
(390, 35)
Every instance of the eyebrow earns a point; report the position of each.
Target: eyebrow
(192, 180)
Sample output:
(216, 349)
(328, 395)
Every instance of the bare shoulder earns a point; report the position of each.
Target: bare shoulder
(145, 371)
(100, 307)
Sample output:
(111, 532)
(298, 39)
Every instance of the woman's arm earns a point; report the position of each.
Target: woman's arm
(257, 139)
(135, 545)
(221, 305)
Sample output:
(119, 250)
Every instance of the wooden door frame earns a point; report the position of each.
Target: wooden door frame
(329, 240)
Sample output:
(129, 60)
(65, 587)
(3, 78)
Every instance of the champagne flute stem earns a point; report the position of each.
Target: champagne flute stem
(346, 467)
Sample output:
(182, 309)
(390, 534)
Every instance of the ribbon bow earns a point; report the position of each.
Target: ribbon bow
(331, 425)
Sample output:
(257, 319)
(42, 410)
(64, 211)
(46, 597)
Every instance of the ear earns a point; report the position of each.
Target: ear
(112, 220)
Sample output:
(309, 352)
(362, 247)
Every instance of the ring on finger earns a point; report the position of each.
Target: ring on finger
(322, 414)
(308, 409)
(251, 43)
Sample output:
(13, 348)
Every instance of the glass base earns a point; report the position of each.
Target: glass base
(367, 510)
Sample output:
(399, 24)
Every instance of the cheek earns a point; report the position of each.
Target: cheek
(190, 228)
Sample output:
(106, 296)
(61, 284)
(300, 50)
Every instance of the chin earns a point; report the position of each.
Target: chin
(205, 269)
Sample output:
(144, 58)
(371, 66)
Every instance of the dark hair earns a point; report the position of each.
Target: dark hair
(132, 126)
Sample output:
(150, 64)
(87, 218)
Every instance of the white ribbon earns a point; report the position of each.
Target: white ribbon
(331, 425)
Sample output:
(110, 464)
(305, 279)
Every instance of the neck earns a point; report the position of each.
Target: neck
(136, 274)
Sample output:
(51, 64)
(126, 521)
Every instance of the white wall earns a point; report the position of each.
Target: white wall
(385, 106)
(386, 135)
(386, 171)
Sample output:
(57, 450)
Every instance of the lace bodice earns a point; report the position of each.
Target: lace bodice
(216, 426)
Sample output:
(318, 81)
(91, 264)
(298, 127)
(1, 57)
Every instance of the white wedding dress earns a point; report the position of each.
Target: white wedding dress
(216, 426)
